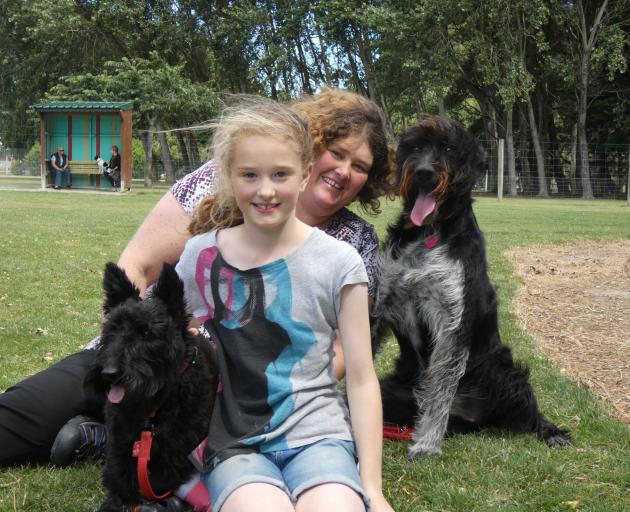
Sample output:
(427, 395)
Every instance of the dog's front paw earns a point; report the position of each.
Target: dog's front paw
(558, 439)
(420, 449)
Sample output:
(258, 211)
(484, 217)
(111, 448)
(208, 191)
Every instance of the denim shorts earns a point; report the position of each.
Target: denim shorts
(294, 471)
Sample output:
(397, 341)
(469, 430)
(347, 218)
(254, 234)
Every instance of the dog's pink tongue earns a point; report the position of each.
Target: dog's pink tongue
(116, 394)
(422, 208)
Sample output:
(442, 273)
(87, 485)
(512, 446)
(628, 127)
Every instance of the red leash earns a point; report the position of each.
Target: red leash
(142, 451)
(396, 432)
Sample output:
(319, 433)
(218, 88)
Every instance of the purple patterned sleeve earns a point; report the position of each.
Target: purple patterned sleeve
(361, 235)
(192, 188)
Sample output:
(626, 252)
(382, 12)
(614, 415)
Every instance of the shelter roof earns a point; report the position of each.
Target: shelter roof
(83, 106)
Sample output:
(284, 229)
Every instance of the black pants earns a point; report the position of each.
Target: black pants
(114, 179)
(33, 411)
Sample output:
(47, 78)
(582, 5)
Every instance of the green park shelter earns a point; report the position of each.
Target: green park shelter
(85, 129)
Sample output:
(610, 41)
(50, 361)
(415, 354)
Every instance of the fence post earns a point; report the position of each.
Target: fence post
(500, 169)
(628, 184)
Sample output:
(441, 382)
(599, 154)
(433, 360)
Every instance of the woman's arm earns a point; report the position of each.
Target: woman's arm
(364, 395)
(159, 239)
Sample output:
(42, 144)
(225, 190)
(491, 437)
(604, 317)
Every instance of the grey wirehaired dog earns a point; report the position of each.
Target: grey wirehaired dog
(453, 374)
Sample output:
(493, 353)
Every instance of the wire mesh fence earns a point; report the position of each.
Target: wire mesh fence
(557, 171)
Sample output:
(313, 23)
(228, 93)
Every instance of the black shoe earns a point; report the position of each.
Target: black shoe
(81, 438)
(170, 504)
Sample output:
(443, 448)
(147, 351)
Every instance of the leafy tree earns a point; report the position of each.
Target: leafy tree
(162, 96)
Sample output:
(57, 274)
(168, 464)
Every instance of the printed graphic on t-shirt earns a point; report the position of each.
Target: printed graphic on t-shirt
(258, 347)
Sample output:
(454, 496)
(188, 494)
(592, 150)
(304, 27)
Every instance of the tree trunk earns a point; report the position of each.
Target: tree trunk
(356, 77)
(147, 145)
(185, 148)
(540, 159)
(509, 146)
(365, 54)
(585, 174)
(323, 52)
(589, 30)
(573, 164)
(440, 104)
(303, 66)
(169, 172)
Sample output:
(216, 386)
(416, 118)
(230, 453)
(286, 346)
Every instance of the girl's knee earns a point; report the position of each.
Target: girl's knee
(257, 497)
(331, 497)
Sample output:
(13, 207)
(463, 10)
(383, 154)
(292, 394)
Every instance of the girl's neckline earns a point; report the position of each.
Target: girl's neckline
(270, 264)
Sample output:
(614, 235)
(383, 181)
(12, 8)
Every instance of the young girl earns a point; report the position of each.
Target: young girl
(271, 291)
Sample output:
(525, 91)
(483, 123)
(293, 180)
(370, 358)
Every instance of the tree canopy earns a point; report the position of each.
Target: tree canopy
(540, 71)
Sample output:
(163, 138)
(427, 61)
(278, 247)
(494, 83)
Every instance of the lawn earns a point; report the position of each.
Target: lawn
(54, 247)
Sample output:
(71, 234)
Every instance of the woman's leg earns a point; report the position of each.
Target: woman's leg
(33, 411)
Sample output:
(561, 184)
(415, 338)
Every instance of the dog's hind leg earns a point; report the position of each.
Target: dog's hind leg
(435, 395)
(496, 392)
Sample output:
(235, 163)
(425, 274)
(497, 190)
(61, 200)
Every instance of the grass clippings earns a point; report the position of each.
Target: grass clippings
(575, 302)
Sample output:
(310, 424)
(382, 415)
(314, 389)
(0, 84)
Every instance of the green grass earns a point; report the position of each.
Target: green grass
(53, 247)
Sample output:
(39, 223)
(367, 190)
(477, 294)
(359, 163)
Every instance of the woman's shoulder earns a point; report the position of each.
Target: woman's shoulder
(349, 227)
(192, 188)
(330, 247)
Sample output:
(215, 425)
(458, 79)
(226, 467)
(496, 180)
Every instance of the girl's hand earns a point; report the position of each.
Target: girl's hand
(379, 503)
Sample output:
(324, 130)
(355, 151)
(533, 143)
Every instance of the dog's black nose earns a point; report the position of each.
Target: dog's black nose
(109, 371)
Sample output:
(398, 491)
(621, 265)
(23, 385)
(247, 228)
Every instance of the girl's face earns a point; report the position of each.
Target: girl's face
(339, 174)
(267, 176)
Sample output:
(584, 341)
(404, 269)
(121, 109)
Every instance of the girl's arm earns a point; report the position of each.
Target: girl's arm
(364, 395)
(160, 238)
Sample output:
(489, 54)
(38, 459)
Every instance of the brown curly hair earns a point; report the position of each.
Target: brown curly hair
(336, 114)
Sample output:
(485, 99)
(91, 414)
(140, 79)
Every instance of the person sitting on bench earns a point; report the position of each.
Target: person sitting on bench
(113, 169)
(59, 164)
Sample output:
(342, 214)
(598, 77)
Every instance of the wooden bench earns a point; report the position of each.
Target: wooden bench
(85, 174)
(84, 167)
(79, 167)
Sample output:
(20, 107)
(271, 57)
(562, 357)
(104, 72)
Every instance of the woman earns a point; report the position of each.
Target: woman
(353, 162)
(113, 169)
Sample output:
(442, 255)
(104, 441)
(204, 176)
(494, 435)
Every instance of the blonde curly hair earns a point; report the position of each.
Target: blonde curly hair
(251, 116)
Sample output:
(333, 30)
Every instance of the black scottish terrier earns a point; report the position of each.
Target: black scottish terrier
(158, 377)
(453, 374)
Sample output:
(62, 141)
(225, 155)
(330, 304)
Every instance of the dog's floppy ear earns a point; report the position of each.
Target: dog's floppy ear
(117, 286)
(170, 290)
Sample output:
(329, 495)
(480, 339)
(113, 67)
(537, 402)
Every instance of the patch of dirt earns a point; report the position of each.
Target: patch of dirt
(575, 302)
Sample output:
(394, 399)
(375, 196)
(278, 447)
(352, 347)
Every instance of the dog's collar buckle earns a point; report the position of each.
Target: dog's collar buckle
(142, 451)
(431, 239)
(193, 361)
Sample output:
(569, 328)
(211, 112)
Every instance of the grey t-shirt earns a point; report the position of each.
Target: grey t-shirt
(274, 328)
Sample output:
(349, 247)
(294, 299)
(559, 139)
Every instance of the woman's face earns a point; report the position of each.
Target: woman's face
(338, 175)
